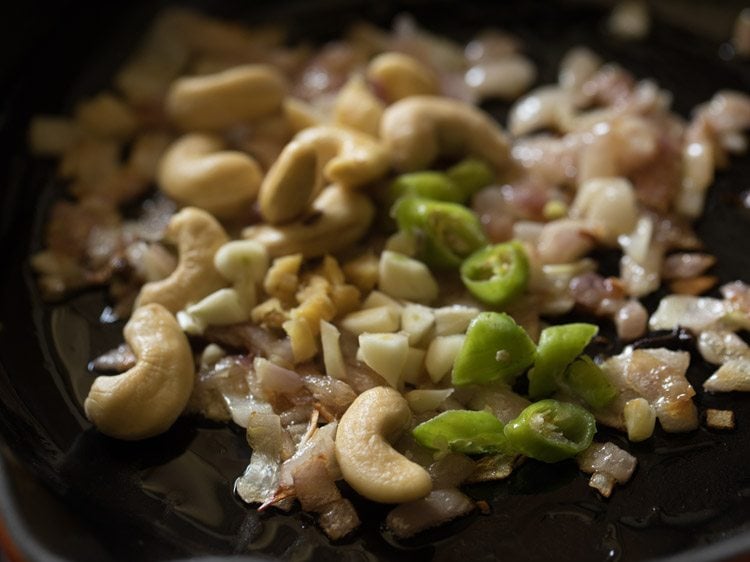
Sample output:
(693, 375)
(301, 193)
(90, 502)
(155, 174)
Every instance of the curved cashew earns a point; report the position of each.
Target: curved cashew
(217, 101)
(336, 219)
(368, 463)
(419, 129)
(145, 400)
(334, 154)
(197, 171)
(397, 76)
(357, 107)
(198, 236)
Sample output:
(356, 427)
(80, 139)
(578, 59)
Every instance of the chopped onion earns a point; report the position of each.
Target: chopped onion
(439, 507)
(720, 346)
(261, 478)
(608, 464)
(734, 375)
(694, 313)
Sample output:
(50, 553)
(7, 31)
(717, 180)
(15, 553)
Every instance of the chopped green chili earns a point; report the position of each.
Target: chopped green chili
(429, 184)
(446, 232)
(496, 274)
(463, 431)
(495, 348)
(551, 431)
(585, 379)
(471, 175)
(558, 347)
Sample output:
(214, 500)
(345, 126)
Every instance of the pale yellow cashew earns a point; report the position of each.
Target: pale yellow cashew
(333, 154)
(397, 76)
(368, 462)
(419, 129)
(197, 171)
(145, 400)
(198, 237)
(358, 108)
(216, 101)
(336, 219)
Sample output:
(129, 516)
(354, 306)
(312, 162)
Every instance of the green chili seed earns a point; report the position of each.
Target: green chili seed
(447, 232)
(495, 348)
(471, 175)
(558, 347)
(551, 431)
(497, 274)
(463, 431)
(585, 379)
(429, 184)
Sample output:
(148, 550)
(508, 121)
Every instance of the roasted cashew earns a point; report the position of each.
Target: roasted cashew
(418, 129)
(198, 236)
(398, 76)
(337, 218)
(333, 154)
(197, 171)
(145, 400)
(217, 101)
(367, 461)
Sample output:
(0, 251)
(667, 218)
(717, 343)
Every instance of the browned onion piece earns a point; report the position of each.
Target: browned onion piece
(631, 320)
(338, 519)
(252, 338)
(332, 394)
(117, 360)
(450, 471)
(658, 375)
(685, 265)
(439, 507)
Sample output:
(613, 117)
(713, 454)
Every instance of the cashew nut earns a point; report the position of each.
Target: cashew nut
(216, 101)
(368, 462)
(398, 76)
(198, 236)
(242, 262)
(418, 129)
(357, 107)
(197, 171)
(336, 219)
(145, 400)
(335, 154)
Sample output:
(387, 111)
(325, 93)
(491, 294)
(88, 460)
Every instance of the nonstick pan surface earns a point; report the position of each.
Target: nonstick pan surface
(171, 496)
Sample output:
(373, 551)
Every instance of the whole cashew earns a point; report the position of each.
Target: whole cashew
(217, 101)
(368, 462)
(197, 171)
(334, 154)
(419, 129)
(398, 76)
(336, 219)
(145, 400)
(198, 236)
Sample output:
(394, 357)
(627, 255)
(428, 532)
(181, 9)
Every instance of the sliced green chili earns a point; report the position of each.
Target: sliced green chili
(471, 175)
(463, 431)
(558, 347)
(446, 232)
(585, 378)
(429, 184)
(495, 348)
(551, 431)
(496, 274)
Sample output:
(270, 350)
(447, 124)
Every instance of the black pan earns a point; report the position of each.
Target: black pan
(67, 490)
